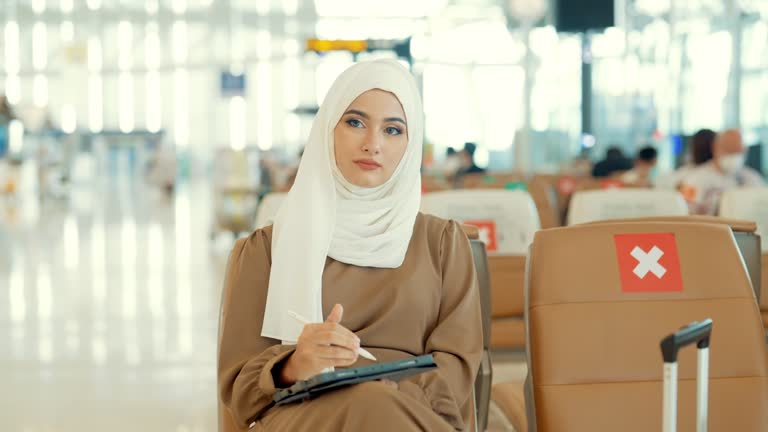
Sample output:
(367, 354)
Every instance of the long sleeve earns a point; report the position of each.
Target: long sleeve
(246, 358)
(456, 342)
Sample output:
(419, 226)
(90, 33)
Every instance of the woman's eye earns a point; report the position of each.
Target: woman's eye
(355, 123)
(393, 131)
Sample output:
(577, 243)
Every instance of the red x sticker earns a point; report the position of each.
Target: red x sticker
(611, 184)
(566, 185)
(487, 230)
(648, 262)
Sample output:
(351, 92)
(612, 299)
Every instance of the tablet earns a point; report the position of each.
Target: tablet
(321, 383)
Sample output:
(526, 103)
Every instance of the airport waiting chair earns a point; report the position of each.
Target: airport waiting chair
(489, 180)
(268, 208)
(507, 221)
(564, 186)
(433, 184)
(752, 204)
(598, 205)
(542, 192)
(595, 324)
(483, 381)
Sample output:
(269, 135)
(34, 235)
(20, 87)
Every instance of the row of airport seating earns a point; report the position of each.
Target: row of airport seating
(509, 220)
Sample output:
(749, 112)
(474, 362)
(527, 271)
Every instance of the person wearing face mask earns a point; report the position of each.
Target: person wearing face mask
(699, 153)
(704, 186)
(644, 171)
(350, 252)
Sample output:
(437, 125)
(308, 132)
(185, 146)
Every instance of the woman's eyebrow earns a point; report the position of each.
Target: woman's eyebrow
(360, 113)
(395, 119)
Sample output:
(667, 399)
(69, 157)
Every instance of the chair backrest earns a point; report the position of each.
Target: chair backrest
(542, 192)
(566, 185)
(746, 240)
(545, 198)
(750, 204)
(493, 181)
(596, 205)
(268, 208)
(432, 184)
(507, 219)
(595, 324)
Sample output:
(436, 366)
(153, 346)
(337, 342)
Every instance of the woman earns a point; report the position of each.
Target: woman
(699, 153)
(350, 251)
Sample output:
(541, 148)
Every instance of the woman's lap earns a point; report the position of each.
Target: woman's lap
(371, 406)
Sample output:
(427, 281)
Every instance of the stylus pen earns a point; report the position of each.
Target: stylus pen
(363, 353)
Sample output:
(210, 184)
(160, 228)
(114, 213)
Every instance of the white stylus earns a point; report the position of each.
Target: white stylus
(363, 353)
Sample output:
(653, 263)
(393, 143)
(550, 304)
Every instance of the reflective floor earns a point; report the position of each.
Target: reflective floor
(108, 310)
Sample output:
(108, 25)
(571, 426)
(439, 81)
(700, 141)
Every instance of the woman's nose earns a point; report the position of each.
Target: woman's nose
(372, 144)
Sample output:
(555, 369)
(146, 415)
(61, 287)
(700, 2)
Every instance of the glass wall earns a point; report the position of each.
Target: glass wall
(94, 66)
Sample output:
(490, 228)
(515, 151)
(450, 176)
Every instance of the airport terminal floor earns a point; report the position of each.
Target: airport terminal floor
(111, 312)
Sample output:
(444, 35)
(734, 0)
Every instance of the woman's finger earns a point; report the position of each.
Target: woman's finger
(337, 338)
(335, 353)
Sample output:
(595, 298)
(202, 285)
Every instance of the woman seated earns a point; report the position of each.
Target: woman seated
(350, 252)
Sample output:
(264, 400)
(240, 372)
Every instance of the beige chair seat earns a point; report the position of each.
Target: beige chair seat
(510, 398)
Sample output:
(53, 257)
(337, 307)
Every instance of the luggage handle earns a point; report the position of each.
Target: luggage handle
(698, 333)
(695, 332)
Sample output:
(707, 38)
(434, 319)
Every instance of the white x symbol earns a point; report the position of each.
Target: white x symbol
(485, 235)
(648, 262)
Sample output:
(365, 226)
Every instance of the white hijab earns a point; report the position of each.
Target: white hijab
(326, 216)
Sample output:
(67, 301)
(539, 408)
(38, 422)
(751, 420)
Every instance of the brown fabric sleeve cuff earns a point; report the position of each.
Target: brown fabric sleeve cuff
(266, 380)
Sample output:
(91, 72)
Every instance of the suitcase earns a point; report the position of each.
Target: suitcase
(695, 333)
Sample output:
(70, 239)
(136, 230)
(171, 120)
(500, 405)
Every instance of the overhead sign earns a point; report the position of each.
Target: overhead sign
(232, 84)
(401, 47)
(323, 45)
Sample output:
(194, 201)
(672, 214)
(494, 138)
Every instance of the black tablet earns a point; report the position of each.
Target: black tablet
(395, 371)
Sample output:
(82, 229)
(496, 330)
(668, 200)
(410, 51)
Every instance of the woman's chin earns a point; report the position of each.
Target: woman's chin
(366, 180)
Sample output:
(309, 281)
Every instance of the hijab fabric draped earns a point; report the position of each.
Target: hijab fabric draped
(324, 215)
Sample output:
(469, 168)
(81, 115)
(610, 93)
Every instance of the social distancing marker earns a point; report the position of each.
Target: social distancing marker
(648, 262)
(487, 232)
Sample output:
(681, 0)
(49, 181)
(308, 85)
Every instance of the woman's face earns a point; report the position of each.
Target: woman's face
(370, 139)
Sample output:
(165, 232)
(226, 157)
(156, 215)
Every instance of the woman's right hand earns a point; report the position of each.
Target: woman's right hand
(321, 346)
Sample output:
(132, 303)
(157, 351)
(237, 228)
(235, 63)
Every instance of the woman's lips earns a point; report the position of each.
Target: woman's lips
(367, 165)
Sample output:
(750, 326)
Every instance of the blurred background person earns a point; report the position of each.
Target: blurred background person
(704, 186)
(451, 164)
(467, 159)
(699, 152)
(644, 171)
(579, 166)
(6, 116)
(615, 162)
